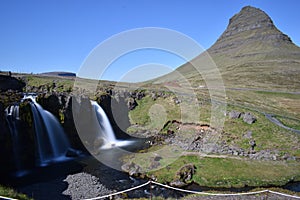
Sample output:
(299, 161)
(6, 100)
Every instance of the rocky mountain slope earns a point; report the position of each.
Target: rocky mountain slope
(251, 52)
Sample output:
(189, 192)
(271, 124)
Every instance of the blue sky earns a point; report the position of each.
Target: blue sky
(57, 35)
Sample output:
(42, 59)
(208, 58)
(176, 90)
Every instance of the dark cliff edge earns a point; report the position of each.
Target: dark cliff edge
(11, 83)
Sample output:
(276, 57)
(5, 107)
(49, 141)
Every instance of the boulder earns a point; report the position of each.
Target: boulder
(131, 103)
(131, 168)
(176, 100)
(248, 135)
(186, 172)
(249, 118)
(252, 144)
(234, 114)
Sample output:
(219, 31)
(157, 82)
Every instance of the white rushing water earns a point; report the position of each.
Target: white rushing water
(52, 143)
(106, 131)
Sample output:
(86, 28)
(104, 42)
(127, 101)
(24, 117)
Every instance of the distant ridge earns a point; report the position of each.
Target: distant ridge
(64, 74)
(252, 53)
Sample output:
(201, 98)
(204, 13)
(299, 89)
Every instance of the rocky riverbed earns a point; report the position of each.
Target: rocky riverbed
(93, 179)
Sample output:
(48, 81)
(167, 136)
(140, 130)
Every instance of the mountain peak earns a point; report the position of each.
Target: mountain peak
(249, 26)
(248, 18)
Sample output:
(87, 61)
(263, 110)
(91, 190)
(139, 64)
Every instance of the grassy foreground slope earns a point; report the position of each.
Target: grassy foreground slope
(232, 172)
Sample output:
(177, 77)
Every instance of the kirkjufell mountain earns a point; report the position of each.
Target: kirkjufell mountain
(252, 52)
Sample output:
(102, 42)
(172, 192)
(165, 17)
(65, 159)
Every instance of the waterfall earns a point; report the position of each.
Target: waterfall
(106, 131)
(12, 118)
(52, 143)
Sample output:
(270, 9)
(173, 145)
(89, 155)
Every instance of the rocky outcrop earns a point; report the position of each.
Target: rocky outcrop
(53, 103)
(6, 161)
(184, 175)
(132, 103)
(11, 83)
(11, 94)
(207, 140)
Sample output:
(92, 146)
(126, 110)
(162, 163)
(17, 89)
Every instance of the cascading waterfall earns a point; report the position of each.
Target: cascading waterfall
(106, 131)
(51, 141)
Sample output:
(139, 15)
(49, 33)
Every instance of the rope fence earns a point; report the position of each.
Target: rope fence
(194, 192)
(124, 191)
(2, 197)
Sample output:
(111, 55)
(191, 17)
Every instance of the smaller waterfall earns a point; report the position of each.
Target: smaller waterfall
(106, 131)
(12, 118)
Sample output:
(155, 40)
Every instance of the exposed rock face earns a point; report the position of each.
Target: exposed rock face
(6, 151)
(52, 103)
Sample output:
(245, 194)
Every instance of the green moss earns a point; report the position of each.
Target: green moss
(61, 116)
(25, 113)
(8, 192)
